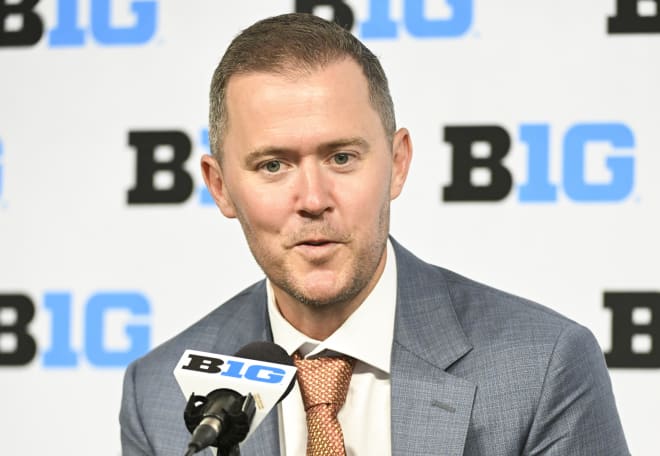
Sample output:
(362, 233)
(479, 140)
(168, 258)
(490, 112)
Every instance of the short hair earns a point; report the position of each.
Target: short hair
(291, 44)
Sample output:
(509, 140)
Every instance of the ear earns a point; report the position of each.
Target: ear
(215, 182)
(401, 156)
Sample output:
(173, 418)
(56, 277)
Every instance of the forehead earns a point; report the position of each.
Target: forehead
(327, 101)
(341, 78)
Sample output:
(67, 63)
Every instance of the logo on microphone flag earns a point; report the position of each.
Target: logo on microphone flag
(201, 372)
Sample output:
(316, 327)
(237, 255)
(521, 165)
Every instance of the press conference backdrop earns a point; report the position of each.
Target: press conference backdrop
(537, 155)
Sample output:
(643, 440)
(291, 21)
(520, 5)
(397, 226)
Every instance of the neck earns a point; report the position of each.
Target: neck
(317, 323)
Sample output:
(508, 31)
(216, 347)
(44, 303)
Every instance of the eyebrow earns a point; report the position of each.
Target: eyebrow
(270, 151)
(345, 142)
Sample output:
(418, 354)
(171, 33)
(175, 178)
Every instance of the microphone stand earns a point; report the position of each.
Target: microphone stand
(220, 419)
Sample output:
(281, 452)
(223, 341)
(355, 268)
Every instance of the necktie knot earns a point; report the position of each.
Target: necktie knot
(324, 380)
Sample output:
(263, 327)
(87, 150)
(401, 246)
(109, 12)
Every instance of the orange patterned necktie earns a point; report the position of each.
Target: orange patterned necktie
(324, 383)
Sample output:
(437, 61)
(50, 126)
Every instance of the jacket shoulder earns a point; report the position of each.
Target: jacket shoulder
(483, 309)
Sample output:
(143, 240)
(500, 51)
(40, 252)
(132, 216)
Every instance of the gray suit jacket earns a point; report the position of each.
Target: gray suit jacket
(475, 371)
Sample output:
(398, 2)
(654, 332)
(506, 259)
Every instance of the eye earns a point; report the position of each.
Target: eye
(272, 166)
(341, 158)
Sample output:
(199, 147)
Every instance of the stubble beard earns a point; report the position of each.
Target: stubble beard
(365, 264)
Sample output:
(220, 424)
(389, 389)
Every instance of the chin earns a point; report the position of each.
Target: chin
(321, 302)
(329, 296)
(321, 295)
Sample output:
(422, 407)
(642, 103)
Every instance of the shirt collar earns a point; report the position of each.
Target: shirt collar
(359, 336)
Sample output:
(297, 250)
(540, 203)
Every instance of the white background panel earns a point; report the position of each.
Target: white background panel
(66, 167)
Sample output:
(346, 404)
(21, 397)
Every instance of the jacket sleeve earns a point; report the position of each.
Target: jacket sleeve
(134, 441)
(576, 413)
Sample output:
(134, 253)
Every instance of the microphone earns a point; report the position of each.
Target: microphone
(237, 392)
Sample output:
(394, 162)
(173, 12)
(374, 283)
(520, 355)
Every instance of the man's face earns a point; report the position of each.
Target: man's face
(309, 172)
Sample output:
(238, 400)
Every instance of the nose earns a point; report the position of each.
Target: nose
(313, 190)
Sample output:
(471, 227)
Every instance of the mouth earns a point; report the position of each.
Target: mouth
(315, 242)
(317, 250)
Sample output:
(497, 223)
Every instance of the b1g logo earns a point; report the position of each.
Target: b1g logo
(574, 181)
(18, 347)
(21, 25)
(160, 171)
(635, 16)
(421, 18)
(635, 329)
(236, 368)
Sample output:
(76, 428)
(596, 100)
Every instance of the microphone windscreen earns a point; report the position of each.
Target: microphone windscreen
(265, 351)
(269, 352)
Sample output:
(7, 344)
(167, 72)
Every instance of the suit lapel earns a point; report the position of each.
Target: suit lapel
(431, 408)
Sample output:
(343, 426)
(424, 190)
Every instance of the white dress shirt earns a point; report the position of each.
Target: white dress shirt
(366, 336)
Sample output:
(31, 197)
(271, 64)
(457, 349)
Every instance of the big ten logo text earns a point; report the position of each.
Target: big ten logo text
(482, 148)
(420, 18)
(114, 329)
(635, 329)
(22, 25)
(635, 16)
(160, 167)
(236, 368)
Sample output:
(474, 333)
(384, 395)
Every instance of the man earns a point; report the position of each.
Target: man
(307, 157)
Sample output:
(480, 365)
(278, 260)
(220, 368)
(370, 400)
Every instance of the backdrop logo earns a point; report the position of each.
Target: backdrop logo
(575, 183)
(635, 329)
(160, 173)
(635, 16)
(421, 18)
(18, 347)
(21, 25)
